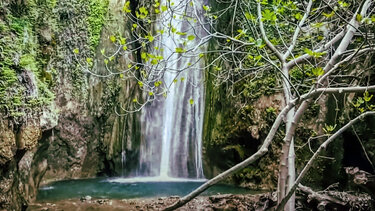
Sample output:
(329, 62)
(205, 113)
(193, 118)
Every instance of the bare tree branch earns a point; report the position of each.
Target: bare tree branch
(320, 149)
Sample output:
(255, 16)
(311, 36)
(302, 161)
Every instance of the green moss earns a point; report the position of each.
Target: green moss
(20, 47)
(18, 25)
(8, 75)
(96, 17)
(28, 61)
(253, 89)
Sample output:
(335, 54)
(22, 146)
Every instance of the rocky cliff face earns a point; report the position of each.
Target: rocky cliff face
(58, 121)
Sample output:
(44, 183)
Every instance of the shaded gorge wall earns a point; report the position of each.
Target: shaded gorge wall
(69, 129)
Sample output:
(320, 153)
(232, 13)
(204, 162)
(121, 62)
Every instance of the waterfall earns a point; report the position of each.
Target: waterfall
(171, 136)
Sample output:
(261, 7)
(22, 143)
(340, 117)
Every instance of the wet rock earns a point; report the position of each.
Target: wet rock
(85, 198)
(7, 143)
(28, 137)
(49, 117)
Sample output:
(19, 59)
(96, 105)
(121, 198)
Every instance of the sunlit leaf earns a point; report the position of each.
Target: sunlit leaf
(180, 50)
(126, 7)
(328, 15)
(359, 17)
(123, 41)
(143, 55)
(318, 71)
(298, 16)
(181, 33)
(367, 97)
(112, 38)
(269, 15)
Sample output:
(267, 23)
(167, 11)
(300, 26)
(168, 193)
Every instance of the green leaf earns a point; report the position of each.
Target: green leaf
(143, 10)
(125, 48)
(126, 7)
(191, 101)
(359, 17)
(328, 15)
(143, 55)
(150, 93)
(112, 38)
(173, 29)
(140, 83)
(314, 54)
(164, 8)
(329, 128)
(89, 60)
(343, 4)
(248, 16)
(191, 37)
(150, 38)
(102, 51)
(358, 103)
(318, 71)
(106, 61)
(269, 15)
(181, 33)
(317, 25)
(298, 16)
(367, 97)
(157, 83)
(180, 50)
(154, 62)
(123, 41)
(76, 51)
(135, 100)
(206, 8)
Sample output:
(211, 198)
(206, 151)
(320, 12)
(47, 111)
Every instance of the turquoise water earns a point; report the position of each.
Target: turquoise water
(119, 188)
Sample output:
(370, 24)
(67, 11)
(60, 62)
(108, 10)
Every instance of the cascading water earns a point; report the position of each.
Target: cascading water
(172, 125)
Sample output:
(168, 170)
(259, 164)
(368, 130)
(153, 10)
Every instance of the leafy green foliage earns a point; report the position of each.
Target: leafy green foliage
(364, 103)
(24, 82)
(96, 18)
(269, 15)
